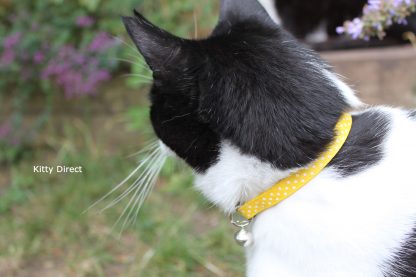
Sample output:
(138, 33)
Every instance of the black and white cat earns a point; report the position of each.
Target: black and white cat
(247, 106)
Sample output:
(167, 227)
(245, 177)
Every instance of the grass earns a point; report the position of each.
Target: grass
(43, 230)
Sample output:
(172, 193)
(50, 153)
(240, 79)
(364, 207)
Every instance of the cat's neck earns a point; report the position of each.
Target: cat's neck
(236, 178)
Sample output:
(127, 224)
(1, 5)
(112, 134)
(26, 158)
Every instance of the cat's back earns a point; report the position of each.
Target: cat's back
(359, 211)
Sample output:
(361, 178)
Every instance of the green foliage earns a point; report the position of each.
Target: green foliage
(138, 119)
(43, 55)
(42, 222)
(41, 215)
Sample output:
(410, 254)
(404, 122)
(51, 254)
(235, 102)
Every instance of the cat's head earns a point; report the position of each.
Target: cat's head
(249, 83)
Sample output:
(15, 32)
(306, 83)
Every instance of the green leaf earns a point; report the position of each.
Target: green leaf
(91, 5)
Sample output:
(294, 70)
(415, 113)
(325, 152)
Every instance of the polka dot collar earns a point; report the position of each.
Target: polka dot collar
(289, 185)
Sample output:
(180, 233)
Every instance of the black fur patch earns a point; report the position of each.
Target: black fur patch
(174, 95)
(250, 83)
(412, 114)
(363, 147)
(267, 94)
(404, 263)
(175, 122)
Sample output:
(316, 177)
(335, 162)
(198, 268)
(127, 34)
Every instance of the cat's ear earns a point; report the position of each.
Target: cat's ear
(157, 46)
(233, 11)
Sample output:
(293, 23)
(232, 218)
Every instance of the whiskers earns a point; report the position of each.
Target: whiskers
(141, 71)
(144, 176)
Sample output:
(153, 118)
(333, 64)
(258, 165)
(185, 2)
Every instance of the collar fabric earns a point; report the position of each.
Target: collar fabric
(291, 184)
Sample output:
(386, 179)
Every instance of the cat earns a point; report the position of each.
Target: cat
(315, 22)
(249, 105)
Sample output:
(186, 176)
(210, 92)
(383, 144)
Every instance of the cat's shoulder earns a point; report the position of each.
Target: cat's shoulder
(366, 143)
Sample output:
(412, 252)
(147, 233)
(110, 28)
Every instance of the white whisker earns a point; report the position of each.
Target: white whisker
(141, 65)
(149, 78)
(152, 158)
(127, 44)
(140, 193)
(138, 189)
(122, 182)
(151, 187)
(135, 56)
(149, 167)
(150, 147)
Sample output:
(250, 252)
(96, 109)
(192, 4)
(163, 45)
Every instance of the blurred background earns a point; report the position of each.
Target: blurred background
(73, 91)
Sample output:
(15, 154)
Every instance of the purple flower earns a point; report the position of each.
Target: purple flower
(101, 42)
(5, 130)
(373, 5)
(402, 21)
(397, 3)
(79, 71)
(378, 26)
(340, 30)
(7, 57)
(15, 141)
(11, 40)
(38, 57)
(355, 28)
(84, 21)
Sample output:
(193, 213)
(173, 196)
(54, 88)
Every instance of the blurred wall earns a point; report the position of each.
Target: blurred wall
(385, 76)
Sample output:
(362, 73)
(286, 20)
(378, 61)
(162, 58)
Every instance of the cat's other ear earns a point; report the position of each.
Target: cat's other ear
(233, 11)
(157, 46)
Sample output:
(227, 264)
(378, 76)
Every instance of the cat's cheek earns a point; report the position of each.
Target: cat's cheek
(236, 178)
(166, 150)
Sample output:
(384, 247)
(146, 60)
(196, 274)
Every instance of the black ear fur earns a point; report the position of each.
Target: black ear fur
(157, 46)
(234, 11)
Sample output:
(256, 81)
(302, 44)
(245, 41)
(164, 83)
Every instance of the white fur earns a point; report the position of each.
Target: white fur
(166, 150)
(242, 178)
(333, 226)
(336, 79)
(271, 10)
(347, 92)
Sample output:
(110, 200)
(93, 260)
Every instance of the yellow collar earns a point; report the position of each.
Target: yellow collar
(289, 185)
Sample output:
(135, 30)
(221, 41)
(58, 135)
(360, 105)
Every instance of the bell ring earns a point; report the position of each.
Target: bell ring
(243, 237)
